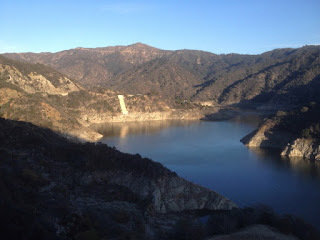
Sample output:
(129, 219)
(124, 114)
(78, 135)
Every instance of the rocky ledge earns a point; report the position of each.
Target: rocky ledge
(296, 133)
(267, 136)
(302, 148)
(168, 193)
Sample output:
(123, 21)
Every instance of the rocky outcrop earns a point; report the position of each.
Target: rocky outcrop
(267, 137)
(32, 79)
(295, 133)
(302, 148)
(168, 193)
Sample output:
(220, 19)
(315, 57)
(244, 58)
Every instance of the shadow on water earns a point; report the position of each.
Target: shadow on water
(250, 119)
(304, 167)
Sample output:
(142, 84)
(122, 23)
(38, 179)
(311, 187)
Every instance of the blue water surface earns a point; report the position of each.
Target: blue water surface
(211, 154)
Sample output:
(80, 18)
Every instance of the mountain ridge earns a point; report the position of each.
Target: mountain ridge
(224, 79)
(41, 95)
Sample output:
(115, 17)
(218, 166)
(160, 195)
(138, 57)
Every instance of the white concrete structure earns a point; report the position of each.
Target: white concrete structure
(122, 105)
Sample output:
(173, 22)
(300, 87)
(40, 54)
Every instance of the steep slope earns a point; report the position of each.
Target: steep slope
(159, 77)
(292, 79)
(52, 188)
(280, 78)
(92, 67)
(41, 95)
(296, 133)
(33, 78)
(29, 92)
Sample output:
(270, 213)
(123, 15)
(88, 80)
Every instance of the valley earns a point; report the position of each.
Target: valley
(55, 109)
(156, 84)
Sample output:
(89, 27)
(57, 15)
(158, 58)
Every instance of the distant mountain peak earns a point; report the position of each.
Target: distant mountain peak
(140, 45)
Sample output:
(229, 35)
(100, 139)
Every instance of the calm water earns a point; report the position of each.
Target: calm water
(210, 154)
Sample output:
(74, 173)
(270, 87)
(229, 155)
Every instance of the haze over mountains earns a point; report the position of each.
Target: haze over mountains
(280, 78)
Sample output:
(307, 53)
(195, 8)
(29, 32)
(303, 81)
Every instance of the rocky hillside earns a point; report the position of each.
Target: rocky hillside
(52, 188)
(41, 95)
(96, 66)
(34, 78)
(296, 133)
(281, 78)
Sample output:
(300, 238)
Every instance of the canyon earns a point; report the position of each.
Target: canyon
(50, 150)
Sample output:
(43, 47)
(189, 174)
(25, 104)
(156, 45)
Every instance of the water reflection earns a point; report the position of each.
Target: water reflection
(124, 129)
(305, 167)
(211, 154)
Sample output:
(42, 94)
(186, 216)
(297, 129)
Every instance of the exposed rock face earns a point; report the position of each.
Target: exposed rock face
(169, 193)
(266, 137)
(302, 148)
(23, 76)
(172, 114)
(66, 188)
(101, 164)
(295, 133)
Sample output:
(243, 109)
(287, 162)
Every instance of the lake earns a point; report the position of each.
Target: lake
(211, 154)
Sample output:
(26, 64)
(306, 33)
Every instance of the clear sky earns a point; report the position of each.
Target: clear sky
(219, 26)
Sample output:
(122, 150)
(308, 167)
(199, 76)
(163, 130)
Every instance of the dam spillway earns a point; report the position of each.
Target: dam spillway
(122, 105)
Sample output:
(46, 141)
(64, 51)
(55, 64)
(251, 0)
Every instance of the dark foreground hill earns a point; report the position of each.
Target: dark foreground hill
(52, 188)
(277, 79)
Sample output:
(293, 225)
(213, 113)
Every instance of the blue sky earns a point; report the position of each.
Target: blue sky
(219, 26)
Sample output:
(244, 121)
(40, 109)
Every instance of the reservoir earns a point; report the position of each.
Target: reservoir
(211, 154)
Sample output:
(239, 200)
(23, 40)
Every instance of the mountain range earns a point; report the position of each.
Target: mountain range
(280, 78)
(54, 188)
(41, 95)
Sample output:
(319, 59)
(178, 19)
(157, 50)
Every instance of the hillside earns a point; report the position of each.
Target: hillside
(281, 78)
(41, 95)
(52, 188)
(33, 78)
(92, 67)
